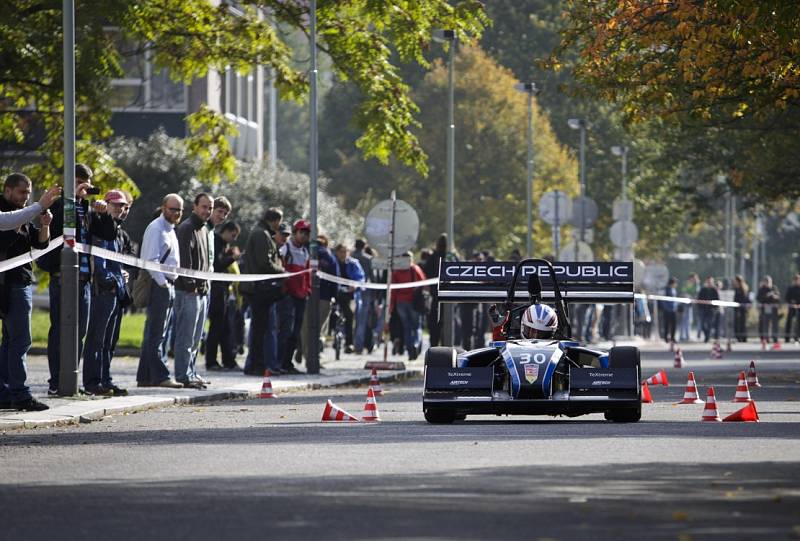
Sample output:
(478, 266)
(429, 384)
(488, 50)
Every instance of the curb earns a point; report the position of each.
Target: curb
(78, 413)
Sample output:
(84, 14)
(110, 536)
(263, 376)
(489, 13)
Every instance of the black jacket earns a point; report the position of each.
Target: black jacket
(99, 225)
(18, 242)
(193, 243)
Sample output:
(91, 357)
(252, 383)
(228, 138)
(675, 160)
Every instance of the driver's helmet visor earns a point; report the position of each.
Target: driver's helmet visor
(530, 332)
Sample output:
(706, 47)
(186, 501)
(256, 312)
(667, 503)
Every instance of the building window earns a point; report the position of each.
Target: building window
(143, 88)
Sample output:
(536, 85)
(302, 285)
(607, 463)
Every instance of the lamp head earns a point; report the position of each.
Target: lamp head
(442, 35)
(575, 123)
(618, 150)
(528, 88)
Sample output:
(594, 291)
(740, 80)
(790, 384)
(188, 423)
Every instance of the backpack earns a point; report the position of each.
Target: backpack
(144, 284)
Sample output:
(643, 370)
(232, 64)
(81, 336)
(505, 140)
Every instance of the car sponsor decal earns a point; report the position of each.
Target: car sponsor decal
(531, 372)
(501, 271)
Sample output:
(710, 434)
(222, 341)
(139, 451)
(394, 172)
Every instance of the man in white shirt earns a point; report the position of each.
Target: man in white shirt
(159, 244)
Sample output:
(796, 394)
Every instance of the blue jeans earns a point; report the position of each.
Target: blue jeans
(153, 359)
(16, 343)
(412, 325)
(362, 315)
(101, 327)
(54, 335)
(686, 323)
(290, 317)
(262, 350)
(112, 337)
(190, 317)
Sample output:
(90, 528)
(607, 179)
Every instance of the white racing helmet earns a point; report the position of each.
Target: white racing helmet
(539, 321)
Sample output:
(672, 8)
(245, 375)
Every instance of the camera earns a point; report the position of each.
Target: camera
(92, 190)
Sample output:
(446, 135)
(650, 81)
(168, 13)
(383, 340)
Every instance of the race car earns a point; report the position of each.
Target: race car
(533, 376)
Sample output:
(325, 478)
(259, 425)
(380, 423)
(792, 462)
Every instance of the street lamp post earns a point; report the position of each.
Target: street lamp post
(581, 124)
(68, 369)
(622, 151)
(449, 36)
(312, 348)
(531, 90)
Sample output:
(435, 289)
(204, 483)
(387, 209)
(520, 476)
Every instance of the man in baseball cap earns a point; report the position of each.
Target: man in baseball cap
(302, 225)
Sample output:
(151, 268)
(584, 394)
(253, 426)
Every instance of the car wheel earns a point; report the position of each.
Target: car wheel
(626, 357)
(440, 417)
(444, 357)
(624, 415)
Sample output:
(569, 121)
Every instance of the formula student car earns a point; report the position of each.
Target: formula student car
(533, 376)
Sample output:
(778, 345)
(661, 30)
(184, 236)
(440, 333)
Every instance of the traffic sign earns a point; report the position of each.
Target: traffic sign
(655, 277)
(584, 211)
(588, 235)
(623, 209)
(624, 233)
(552, 201)
(378, 227)
(567, 253)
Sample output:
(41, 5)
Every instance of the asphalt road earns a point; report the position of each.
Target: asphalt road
(269, 468)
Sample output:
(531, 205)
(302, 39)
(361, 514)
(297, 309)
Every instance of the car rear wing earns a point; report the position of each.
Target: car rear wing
(585, 282)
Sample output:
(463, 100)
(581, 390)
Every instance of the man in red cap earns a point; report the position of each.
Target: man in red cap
(292, 308)
(109, 296)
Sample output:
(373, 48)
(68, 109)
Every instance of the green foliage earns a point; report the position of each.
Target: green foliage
(163, 164)
(491, 153)
(189, 37)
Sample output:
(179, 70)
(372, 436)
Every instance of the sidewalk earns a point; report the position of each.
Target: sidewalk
(224, 385)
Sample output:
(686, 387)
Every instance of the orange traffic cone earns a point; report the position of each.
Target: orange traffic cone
(335, 413)
(710, 412)
(776, 346)
(747, 414)
(375, 383)
(266, 387)
(752, 378)
(371, 408)
(647, 398)
(679, 361)
(742, 392)
(716, 351)
(659, 379)
(690, 394)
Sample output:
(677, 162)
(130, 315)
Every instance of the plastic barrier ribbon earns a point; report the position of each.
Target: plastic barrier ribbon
(189, 273)
(22, 259)
(687, 300)
(367, 285)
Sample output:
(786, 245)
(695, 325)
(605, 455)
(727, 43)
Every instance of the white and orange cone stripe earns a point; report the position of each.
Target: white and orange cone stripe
(334, 413)
(752, 378)
(679, 360)
(375, 383)
(266, 387)
(710, 412)
(742, 392)
(690, 394)
(371, 414)
(659, 379)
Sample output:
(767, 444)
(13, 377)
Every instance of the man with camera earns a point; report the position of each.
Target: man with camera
(90, 221)
(16, 296)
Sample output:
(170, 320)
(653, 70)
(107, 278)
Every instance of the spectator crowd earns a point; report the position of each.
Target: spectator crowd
(187, 317)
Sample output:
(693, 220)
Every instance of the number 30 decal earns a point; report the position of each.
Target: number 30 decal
(538, 358)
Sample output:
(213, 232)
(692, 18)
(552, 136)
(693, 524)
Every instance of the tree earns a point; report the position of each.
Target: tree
(189, 37)
(724, 72)
(491, 153)
(162, 164)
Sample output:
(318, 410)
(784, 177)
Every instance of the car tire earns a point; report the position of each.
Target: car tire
(626, 357)
(440, 417)
(444, 357)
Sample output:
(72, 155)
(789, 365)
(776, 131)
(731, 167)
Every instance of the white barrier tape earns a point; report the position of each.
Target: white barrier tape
(20, 260)
(368, 285)
(189, 273)
(687, 300)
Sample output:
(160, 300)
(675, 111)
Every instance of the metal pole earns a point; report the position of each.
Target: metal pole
(530, 174)
(557, 229)
(273, 120)
(583, 184)
(625, 173)
(312, 360)
(448, 324)
(68, 368)
(387, 314)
